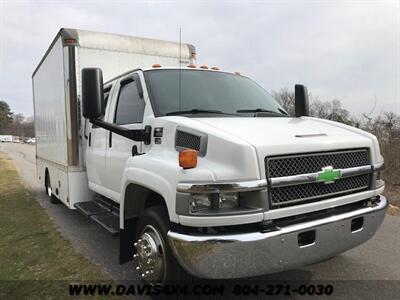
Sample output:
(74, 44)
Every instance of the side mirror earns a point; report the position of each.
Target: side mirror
(92, 93)
(301, 101)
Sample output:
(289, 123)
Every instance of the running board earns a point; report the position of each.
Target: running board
(102, 211)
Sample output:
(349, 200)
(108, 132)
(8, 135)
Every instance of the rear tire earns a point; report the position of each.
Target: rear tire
(156, 263)
(47, 184)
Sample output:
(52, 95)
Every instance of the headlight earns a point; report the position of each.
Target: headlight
(201, 202)
(228, 200)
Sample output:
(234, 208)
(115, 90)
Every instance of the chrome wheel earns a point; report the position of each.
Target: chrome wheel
(150, 255)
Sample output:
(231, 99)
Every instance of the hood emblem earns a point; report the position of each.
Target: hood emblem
(329, 175)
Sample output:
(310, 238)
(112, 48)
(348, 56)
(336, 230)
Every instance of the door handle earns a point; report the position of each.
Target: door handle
(90, 139)
(110, 139)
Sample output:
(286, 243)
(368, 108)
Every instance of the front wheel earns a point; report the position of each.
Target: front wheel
(156, 263)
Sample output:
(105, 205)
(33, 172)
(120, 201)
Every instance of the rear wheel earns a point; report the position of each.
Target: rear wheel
(47, 184)
(156, 263)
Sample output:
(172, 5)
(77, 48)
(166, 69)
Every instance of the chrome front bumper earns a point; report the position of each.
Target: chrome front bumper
(258, 253)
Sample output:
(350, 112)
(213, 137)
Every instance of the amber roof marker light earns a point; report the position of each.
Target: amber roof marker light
(214, 68)
(156, 66)
(69, 41)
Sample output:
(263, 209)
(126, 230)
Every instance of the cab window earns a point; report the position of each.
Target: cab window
(130, 106)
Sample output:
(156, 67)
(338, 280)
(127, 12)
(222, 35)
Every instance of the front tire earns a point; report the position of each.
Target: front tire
(156, 263)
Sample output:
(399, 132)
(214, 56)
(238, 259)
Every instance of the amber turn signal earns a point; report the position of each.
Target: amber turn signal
(188, 158)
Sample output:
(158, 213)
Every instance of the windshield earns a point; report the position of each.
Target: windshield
(207, 92)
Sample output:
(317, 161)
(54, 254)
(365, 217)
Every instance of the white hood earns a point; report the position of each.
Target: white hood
(276, 136)
(237, 146)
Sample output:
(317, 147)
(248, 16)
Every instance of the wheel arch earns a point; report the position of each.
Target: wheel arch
(46, 176)
(140, 183)
(136, 198)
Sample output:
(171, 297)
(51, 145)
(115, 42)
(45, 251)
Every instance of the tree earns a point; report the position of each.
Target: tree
(18, 119)
(338, 113)
(286, 98)
(391, 122)
(5, 115)
(18, 125)
(330, 110)
(29, 127)
(320, 109)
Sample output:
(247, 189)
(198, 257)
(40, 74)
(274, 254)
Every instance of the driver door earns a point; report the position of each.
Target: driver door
(128, 111)
(96, 148)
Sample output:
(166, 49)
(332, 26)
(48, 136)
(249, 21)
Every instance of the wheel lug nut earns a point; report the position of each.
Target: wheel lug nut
(143, 275)
(140, 240)
(135, 244)
(137, 268)
(135, 255)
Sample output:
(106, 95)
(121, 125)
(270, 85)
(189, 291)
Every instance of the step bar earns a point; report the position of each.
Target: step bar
(102, 211)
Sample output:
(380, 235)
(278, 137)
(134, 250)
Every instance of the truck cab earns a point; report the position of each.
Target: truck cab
(230, 172)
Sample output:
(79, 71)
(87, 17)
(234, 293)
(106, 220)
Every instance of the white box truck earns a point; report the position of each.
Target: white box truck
(6, 138)
(199, 171)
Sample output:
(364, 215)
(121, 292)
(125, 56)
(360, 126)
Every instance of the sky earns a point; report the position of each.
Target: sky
(346, 50)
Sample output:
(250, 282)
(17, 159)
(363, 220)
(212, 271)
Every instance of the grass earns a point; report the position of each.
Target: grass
(35, 260)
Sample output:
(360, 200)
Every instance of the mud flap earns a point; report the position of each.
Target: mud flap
(127, 237)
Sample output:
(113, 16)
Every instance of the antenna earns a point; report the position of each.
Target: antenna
(369, 115)
(180, 66)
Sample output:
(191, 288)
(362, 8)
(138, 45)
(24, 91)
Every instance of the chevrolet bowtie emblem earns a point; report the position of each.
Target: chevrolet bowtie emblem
(329, 175)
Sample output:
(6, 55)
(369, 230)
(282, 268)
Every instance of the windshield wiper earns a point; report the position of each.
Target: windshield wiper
(194, 111)
(256, 110)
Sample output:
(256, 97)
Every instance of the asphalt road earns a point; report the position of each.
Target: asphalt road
(378, 259)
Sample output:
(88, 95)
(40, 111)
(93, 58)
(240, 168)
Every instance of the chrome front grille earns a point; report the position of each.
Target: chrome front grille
(303, 192)
(309, 163)
(287, 194)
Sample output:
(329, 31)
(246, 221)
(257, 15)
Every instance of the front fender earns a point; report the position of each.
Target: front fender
(152, 181)
(159, 173)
